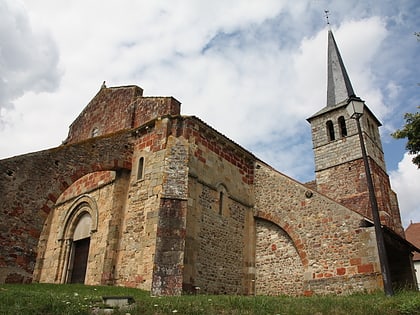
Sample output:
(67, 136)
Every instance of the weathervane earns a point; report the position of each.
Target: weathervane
(326, 16)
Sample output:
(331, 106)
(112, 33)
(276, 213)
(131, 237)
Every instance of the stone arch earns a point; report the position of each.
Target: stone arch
(342, 126)
(42, 177)
(330, 130)
(79, 206)
(289, 229)
(78, 226)
(278, 266)
(83, 207)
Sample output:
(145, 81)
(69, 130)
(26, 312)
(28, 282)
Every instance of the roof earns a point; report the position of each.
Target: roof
(412, 234)
(327, 109)
(339, 87)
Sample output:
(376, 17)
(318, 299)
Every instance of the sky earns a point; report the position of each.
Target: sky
(254, 70)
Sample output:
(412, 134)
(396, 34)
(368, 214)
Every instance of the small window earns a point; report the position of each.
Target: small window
(140, 168)
(343, 128)
(330, 130)
(221, 189)
(221, 202)
(95, 132)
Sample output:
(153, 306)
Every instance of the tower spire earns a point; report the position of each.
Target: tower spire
(339, 87)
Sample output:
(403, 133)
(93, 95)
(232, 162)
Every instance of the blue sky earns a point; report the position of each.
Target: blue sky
(254, 70)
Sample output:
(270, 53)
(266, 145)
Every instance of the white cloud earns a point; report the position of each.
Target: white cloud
(358, 53)
(253, 70)
(233, 70)
(406, 183)
(28, 58)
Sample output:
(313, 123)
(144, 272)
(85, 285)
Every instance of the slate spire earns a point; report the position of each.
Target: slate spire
(338, 86)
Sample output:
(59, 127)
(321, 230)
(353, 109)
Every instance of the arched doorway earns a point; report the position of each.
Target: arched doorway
(80, 249)
(78, 224)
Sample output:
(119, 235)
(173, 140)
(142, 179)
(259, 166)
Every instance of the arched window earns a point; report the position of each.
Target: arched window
(330, 130)
(140, 168)
(221, 196)
(343, 128)
(221, 189)
(372, 130)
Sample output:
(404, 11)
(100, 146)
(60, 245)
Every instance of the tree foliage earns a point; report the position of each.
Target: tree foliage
(411, 131)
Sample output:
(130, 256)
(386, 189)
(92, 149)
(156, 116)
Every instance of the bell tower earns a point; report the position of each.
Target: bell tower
(339, 168)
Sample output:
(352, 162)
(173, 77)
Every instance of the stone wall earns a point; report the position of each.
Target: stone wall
(49, 266)
(331, 244)
(339, 167)
(149, 108)
(30, 186)
(347, 184)
(54, 262)
(119, 108)
(215, 255)
(108, 112)
(218, 240)
(344, 149)
(132, 230)
(171, 229)
(278, 265)
(178, 207)
(137, 247)
(129, 258)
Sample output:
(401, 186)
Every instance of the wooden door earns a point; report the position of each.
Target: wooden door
(80, 258)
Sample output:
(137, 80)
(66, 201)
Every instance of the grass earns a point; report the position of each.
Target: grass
(46, 299)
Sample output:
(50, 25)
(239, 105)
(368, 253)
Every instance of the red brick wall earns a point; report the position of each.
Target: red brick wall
(118, 108)
(87, 183)
(148, 108)
(346, 183)
(109, 111)
(219, 144)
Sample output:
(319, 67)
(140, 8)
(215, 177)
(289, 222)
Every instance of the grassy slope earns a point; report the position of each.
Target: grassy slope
(79, 299)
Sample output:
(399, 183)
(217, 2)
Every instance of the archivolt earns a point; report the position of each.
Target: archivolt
(83, 204)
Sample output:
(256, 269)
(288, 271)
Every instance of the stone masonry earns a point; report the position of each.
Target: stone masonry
(329, 240)
(340, 170)
(30, 186)
(170, 205)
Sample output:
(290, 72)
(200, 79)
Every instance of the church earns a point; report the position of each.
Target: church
(139, 195)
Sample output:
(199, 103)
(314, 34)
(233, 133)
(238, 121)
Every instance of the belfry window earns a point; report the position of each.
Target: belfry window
(140, 168)
(330, 130)
(343, 128)
(372, 130)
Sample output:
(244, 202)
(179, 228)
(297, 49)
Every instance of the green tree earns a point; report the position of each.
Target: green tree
(411, 131)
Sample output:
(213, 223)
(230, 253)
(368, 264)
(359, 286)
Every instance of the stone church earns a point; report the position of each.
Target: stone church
(139, 195)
